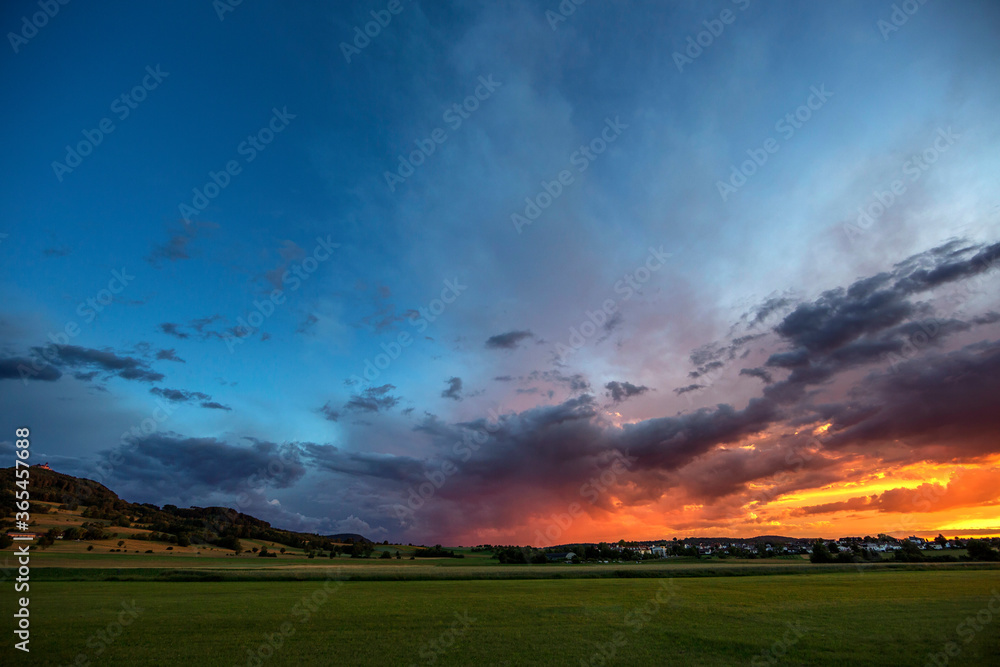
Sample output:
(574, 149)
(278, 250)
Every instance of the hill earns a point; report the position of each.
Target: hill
(348, 537)
(82, 509)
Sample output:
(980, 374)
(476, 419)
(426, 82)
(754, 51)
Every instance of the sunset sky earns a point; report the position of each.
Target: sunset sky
(502, 275)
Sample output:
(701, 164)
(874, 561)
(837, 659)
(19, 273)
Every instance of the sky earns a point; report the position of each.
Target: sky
(510, 272)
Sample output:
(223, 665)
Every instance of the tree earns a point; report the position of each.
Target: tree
(909, 552)
(981, 550)
(941, 539)
(820, 553)
(93, 533)
(231, 542)
(121, 543)
(385, 555)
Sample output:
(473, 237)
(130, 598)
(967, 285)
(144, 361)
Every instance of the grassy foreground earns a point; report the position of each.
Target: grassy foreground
(885, 617)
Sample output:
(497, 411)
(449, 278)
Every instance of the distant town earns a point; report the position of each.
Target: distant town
(844, 549)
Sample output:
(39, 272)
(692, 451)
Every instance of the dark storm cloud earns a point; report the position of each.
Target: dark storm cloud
(874, 319)
(741, 341)
(329, 412)
(669, 442)
(307, 323)
(569, 433)
(171, 329)
(613, 322)
(947, 263)
(373, 399)
(874, 304)
(370, 400)
(385, 318)
(620, 391)
(179, 395)
(507, 341)
(705, 369)
(169, 355)
(543, 443)
(201, 324)
(367, 464)
(768, 308)
(202, 329)
(757, 373)
(942, 403)
(987, 318)
(74, 356)
(840, 316)
(729, 471)
(182, 396)
(540, 457)
(176, 247)
(576, 383)
(206, 465)
(289, 251)
(14, 368)
(691, 387)
(454, 390)
(713, 356)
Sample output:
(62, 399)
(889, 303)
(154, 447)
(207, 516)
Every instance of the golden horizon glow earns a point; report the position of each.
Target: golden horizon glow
(920, 498)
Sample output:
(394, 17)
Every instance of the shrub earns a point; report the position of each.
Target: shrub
(820, 553)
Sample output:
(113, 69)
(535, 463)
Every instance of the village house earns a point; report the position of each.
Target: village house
(564, 557)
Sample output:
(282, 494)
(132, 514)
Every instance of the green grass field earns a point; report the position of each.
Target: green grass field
(886, 617)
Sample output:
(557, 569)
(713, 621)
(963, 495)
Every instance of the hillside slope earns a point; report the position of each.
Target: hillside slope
(84, 510)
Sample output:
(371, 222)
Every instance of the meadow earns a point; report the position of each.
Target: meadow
(127, 600)
(820, 616)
